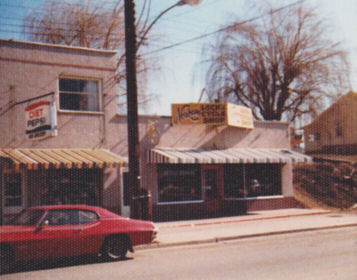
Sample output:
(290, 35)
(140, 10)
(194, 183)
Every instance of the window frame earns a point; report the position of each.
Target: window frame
(79, 78)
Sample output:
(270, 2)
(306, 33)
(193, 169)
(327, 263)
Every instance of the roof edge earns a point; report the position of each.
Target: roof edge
(57, 46)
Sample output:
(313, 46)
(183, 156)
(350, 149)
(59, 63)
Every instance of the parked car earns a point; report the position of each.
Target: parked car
(70, 230)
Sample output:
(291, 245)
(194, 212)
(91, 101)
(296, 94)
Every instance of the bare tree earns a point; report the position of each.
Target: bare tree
(77, 23)
(92, 24)
(284, 65)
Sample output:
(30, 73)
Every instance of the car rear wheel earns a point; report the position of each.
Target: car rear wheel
(115, 248)
(6, 260)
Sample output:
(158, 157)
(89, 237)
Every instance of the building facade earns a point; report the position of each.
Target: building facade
(333, 133)
(62, 141)
(56, 109)
(215, 170)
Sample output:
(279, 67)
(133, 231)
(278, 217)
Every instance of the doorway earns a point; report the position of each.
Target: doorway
(125, 192)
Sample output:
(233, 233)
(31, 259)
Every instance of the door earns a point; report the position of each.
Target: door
(212, 182)
(125, 193)
(61, 234)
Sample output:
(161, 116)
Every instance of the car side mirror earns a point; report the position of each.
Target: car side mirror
(40, 225)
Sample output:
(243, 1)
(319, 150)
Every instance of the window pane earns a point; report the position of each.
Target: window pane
(263, 179)
(179, 182)
(79, 95)
(70, 101)
(233, 181)
(86, 217)
(27, 218)
(13, 191)
(62, 217)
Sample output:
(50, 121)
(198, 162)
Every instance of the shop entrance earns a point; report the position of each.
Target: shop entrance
(212, 182)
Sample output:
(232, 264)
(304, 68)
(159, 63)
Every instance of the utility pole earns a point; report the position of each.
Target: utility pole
(132, 107)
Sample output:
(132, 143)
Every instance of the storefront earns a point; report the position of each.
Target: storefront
(32, 177)
(192, 184)
(205, 170)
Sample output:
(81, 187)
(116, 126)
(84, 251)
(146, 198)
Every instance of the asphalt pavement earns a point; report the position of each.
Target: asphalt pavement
(253, 224)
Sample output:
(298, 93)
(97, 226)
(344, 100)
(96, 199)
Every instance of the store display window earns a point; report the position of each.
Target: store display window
(179, 182)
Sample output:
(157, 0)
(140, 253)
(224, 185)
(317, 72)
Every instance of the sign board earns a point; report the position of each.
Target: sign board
(41, 120)
(212, 114)
(239, 116)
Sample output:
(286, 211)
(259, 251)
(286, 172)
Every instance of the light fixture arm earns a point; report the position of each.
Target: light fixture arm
(179, 3)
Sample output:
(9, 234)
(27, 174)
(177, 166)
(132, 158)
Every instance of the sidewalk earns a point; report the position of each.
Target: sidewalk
(253, 224)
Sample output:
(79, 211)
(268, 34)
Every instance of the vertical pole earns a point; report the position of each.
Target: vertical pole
(132, 106)
(1, 196)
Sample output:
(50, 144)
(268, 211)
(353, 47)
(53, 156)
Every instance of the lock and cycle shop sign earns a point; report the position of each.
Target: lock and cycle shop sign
(212, 114)
(41, 120)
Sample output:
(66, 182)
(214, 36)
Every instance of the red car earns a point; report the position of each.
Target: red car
(70, 230)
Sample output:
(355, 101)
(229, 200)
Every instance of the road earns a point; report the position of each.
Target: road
(326, 254)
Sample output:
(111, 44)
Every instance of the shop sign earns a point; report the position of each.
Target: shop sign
(212, 114)
(239, 116)
(41, 120)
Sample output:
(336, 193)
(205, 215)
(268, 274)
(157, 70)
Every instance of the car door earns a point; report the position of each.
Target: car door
(61, 233)
(89, 234)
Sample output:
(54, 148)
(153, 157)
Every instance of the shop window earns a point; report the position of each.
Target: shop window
(179, 182)
(263, 179)
(233, 181)
(74, 186)
(79, 95)
(12, 190)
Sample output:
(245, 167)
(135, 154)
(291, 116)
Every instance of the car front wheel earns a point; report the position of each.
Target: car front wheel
(115, 248)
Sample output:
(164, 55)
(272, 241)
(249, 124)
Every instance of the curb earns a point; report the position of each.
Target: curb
(237, 237)
(251, 219)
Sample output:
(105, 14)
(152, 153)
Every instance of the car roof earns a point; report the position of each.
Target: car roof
(101, 211)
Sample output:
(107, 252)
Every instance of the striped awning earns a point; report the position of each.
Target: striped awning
(60, 158)
(236, 155)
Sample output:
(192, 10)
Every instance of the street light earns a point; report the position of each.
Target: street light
(131, 48)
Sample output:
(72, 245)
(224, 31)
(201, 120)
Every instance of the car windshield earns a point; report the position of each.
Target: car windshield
(27, 217)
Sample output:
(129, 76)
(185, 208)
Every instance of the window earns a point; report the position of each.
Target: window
(317, 136)
(314, 137)
(339, 130)
(252, 180)
(233, 181)
(263, 179)
(179, 182)
(79, 95)
(12, 191)
(62, 217)
(27, 217)
(87, 217)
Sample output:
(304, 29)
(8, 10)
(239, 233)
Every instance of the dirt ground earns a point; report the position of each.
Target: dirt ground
(326, 185)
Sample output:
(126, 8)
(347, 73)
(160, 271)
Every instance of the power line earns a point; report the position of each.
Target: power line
(173, 45)
(222, 29)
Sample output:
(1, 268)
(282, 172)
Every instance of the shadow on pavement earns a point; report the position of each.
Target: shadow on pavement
(59, 263)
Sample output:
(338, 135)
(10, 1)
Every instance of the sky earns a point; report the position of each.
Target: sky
(180, 78)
